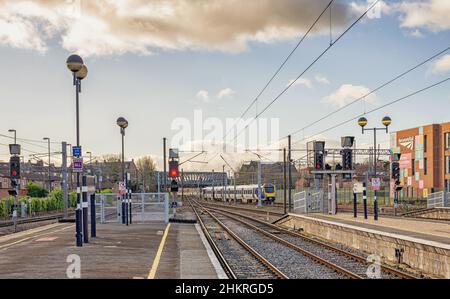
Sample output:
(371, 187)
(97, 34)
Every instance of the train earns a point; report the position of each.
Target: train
(244, 193)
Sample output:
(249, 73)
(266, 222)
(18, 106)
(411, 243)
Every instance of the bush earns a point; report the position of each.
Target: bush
(36, 191)
(107, 191)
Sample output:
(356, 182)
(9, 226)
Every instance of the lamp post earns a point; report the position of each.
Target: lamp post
(49, 176)
(123, 124)
(362, 122)
(90, 161)
(79, 71)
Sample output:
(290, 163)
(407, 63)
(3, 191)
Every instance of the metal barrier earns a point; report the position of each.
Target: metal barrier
(146, 207)
(310, 202)
(439, 199)
(300, 203)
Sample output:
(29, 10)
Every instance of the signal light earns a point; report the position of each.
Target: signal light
(347, 159)
(173, 169)
(396, 172)
(14, 167)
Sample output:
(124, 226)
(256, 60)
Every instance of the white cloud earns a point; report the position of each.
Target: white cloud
(431, 14)
(442, 65)
(110, 27)
(415, 33)
(301, 81)
(322, 79)
(203, 95)
(226, 93)
(348, 93)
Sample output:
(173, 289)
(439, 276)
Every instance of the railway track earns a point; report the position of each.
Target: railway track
(238, 259)
(281, 255)
(9, 223)
(339, 259)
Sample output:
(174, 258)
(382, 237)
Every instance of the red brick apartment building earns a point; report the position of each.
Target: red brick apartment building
(425, 159)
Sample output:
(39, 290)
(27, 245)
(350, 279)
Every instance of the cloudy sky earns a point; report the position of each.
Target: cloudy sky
(156, 61)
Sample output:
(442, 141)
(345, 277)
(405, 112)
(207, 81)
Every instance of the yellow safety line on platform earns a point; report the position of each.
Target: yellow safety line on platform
(155, 265)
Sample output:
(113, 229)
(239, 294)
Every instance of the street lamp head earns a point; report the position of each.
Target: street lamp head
(82, 73)
(362, 122)
(74, 63)
(11, 130)
(45, 138)
(122, 122)
(386, 121)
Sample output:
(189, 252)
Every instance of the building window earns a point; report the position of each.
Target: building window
(447, 185)
(447, 164)
(413, 167)
(447, 141)
(425, 143)
(425, 166)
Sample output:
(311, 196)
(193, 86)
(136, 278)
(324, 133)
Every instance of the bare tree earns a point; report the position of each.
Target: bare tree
(146, 167)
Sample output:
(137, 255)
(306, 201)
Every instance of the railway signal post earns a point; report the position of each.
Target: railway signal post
(14, 172)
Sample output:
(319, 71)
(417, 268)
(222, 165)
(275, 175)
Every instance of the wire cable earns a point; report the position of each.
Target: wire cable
(309, 67)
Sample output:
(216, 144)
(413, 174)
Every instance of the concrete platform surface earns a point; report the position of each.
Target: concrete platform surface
(421, 229)
(118, 252)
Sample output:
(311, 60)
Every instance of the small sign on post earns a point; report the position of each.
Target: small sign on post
(174, 186)
(76, 151)
(77, 165)
(122, 189)
(376, 184)
(358, 188)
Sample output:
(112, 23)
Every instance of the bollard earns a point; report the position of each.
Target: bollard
(365, 200)
(123, 210)
(355, 211)
(85, 206)
(93, 217)
(130, 208)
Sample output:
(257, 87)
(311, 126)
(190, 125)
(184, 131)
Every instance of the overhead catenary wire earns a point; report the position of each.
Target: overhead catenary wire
(280, 67)
(376, 109)
(309, 67)
(372, 91)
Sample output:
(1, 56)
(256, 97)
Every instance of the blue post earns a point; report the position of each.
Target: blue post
(93, 217)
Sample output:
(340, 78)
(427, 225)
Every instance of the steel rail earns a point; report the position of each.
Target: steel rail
(230, 273)
(259, 257)
(353, 256)
(314, 257)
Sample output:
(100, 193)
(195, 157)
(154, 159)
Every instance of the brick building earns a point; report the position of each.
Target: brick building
(425, 159)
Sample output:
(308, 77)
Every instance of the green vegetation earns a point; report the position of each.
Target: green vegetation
(52, 202)
(36, 191)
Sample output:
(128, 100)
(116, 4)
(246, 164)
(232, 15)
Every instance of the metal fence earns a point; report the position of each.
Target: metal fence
(310, 201)
(438, 200)
(146, 207)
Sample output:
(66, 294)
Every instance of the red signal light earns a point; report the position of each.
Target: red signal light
(13, 173)
(173, 173)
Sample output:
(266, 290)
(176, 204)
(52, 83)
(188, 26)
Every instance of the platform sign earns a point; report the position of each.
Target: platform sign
(76, 151)
(174, 186)
(122, 189)
(358, 188)
(77, 165)
(376, 184)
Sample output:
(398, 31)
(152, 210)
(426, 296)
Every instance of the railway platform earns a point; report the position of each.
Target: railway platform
(415, 243)
(138, 251)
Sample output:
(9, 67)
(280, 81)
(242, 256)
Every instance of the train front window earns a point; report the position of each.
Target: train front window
(269, 189)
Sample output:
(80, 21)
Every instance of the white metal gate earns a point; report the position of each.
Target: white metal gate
(309, 202)
(146, 207)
